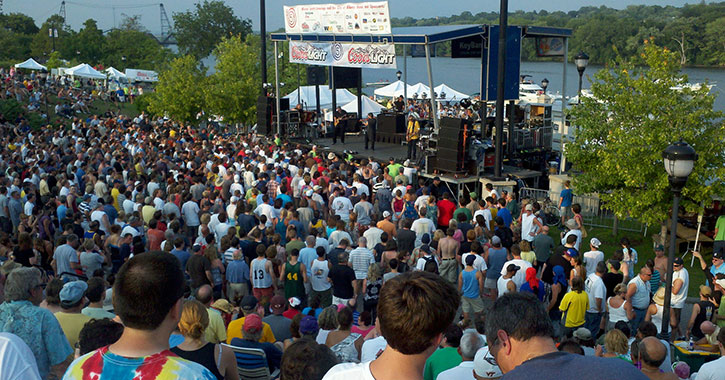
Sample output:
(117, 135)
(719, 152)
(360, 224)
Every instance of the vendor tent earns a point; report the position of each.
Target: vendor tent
(451, 95)
(420, 89)
(85, 70)
(392, 90)
(114, 74)
(368, 106)
(30, 64)
(308, 100)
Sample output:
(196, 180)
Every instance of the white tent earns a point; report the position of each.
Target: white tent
(85, 70)
(309, 102)
(30, 64)
(368, 106)
(114, 74)
(451, 95)
(392, 90)
(419, 88)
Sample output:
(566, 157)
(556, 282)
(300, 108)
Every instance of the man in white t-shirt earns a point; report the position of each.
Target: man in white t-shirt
(573, 230)
(470, 343)
(341, 206)
(479, 263)
(593, 256)
(680, 283)
(409, 344)
(16, 358)
(597, 292)
(422, 226)
(520, 276)
(530, 225)
(372, 348)
(427, 256)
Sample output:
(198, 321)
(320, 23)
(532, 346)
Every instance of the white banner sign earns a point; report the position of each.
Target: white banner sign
(348, 18)
(136, 75)
(374, 56)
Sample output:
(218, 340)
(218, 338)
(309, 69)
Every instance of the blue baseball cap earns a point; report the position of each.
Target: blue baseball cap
(72, 292)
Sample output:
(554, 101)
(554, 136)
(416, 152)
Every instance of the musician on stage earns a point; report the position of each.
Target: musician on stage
(340, 123)
(412, 135)
(399, 104)
(371, 125)
(298, 107)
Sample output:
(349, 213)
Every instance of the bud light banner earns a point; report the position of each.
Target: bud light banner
(374, 56)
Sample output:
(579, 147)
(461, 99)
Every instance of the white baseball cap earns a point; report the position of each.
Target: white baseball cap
(483, 366)
(386, 214)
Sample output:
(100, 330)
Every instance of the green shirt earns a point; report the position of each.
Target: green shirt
(720, 225)
(294, 285)
(441, 360)
(465, 211)
(721, 311)
(294, 244)
(393, 169)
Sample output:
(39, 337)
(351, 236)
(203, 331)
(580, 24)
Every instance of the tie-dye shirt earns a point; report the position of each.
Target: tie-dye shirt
(103, 364)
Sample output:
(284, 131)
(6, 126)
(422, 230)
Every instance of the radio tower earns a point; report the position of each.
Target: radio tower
(1, 7)
(61, 13)
(165, 24)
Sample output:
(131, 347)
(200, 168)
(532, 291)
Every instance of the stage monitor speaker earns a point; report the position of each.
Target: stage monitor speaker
(265, 110)
(346, 77)
(391, 123)
(284, 104)
(316, 75)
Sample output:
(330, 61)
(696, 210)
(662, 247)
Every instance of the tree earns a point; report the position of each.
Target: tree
(233, 88)
(18, 23)
(54, 61)
(90, 42)
(42, 44)
(179, 92)
(635, 113)
(199, 31)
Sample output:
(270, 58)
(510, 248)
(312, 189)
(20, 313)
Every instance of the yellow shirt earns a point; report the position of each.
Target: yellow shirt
(234, 330)
(114, 194)
(529, 256)
(215, 332)
(147, 212)
(72, 324)
(575, 305)
(413, 131)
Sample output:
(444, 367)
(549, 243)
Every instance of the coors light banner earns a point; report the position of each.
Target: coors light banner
(375, 56)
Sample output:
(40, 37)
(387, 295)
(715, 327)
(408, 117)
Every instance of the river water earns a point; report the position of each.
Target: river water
(464, 75)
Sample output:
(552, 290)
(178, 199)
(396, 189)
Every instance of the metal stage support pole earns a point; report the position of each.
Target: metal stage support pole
(562, 161)
(276, 88)
(503, 25)
(263, 34)
(405, 75)
(434, 106)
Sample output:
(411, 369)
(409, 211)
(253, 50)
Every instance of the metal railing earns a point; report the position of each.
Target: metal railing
(593, 212)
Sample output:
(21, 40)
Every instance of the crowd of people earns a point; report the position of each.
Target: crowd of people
(145, 248)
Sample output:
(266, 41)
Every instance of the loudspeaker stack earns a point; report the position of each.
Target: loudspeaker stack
(453, 142)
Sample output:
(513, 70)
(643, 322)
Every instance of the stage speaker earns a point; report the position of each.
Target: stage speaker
(283, 104)
(265, 110)
(316, 75)
(453, 142)
(391, 123)
(346, 77)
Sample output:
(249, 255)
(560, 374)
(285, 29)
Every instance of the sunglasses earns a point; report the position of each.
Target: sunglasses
(489, 358)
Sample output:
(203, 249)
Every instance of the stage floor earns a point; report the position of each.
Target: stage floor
(382, 152)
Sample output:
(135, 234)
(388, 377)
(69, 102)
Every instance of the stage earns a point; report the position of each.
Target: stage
(356, 144)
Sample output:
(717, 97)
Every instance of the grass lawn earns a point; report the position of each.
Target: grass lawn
(643, 245)
(97, 107)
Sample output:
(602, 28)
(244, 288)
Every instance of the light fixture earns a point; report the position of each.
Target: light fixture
(399, 74)
(581, 61)
(544, 84)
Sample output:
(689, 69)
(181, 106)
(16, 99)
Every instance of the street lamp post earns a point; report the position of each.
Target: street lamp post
(581, 61)
(399, 74)
(679, 159)
(545, 84)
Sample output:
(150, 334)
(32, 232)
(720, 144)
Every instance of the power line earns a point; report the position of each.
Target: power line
(100, 6)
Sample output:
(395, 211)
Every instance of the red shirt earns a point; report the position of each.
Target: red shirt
(445, 211)
(156, 236)
(290, 313)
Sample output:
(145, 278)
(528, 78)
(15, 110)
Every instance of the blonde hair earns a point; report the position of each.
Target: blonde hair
(438, 235)
(525, 246)
(194, 319)
(374, 272)
(616, 342)
(620, 288)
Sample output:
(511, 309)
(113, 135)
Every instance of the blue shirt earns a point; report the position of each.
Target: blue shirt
(496, 259)
(565, 366)
(566, 197)
(307, 256)
(274, 355)
(182, 255)
(299, 228)
(39, 329)
(238, 272)
(505, 214)
(285, 199)
(61, 211)
(470, 284)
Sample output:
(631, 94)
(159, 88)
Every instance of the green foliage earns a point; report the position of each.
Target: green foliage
(10, 108)
(42, 44)
(54, 61)
(139, 49)
(233, 88)
(199, 31)
(18, 23)
(179, 92)
(636, 112)
(143, 102)
(90, 42)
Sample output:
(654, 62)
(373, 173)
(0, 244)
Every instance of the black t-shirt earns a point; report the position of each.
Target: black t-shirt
(406, 240)
(707, 309)
(197, 267)
(565, 366)
(22, 256)
(342, 277)
(610, 281)
(556, 259)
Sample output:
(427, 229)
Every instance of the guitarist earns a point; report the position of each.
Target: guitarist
(340, 123)
(412, 135)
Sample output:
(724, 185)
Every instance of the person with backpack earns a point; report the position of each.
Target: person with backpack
(428, 257)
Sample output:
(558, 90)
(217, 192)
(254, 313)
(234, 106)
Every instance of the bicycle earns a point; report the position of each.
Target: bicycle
(550, 213)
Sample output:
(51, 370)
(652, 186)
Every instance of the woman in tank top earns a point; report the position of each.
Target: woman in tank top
(654, 311)
(219, 360)
(618, 308)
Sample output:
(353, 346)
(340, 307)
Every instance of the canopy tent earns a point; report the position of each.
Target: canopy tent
(419, 88)
(368, 106)
(392, 90)
(114, 74)
(451, 95)
(84, 70)
(30, 64)
(309, 102)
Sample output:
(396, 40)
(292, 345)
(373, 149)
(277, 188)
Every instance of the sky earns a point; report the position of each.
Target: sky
(103, 12)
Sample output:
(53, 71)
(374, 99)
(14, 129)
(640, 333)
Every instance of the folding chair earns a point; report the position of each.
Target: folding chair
(252, 363)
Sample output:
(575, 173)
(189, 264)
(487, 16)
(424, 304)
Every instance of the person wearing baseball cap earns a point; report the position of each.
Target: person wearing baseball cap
(506, 282)
(593, 256)
(72, 300)
(278, 323)
(484, 365)
(252, 333)
(248, 305)
(387, 225)
(680, 284)
(718, 264)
